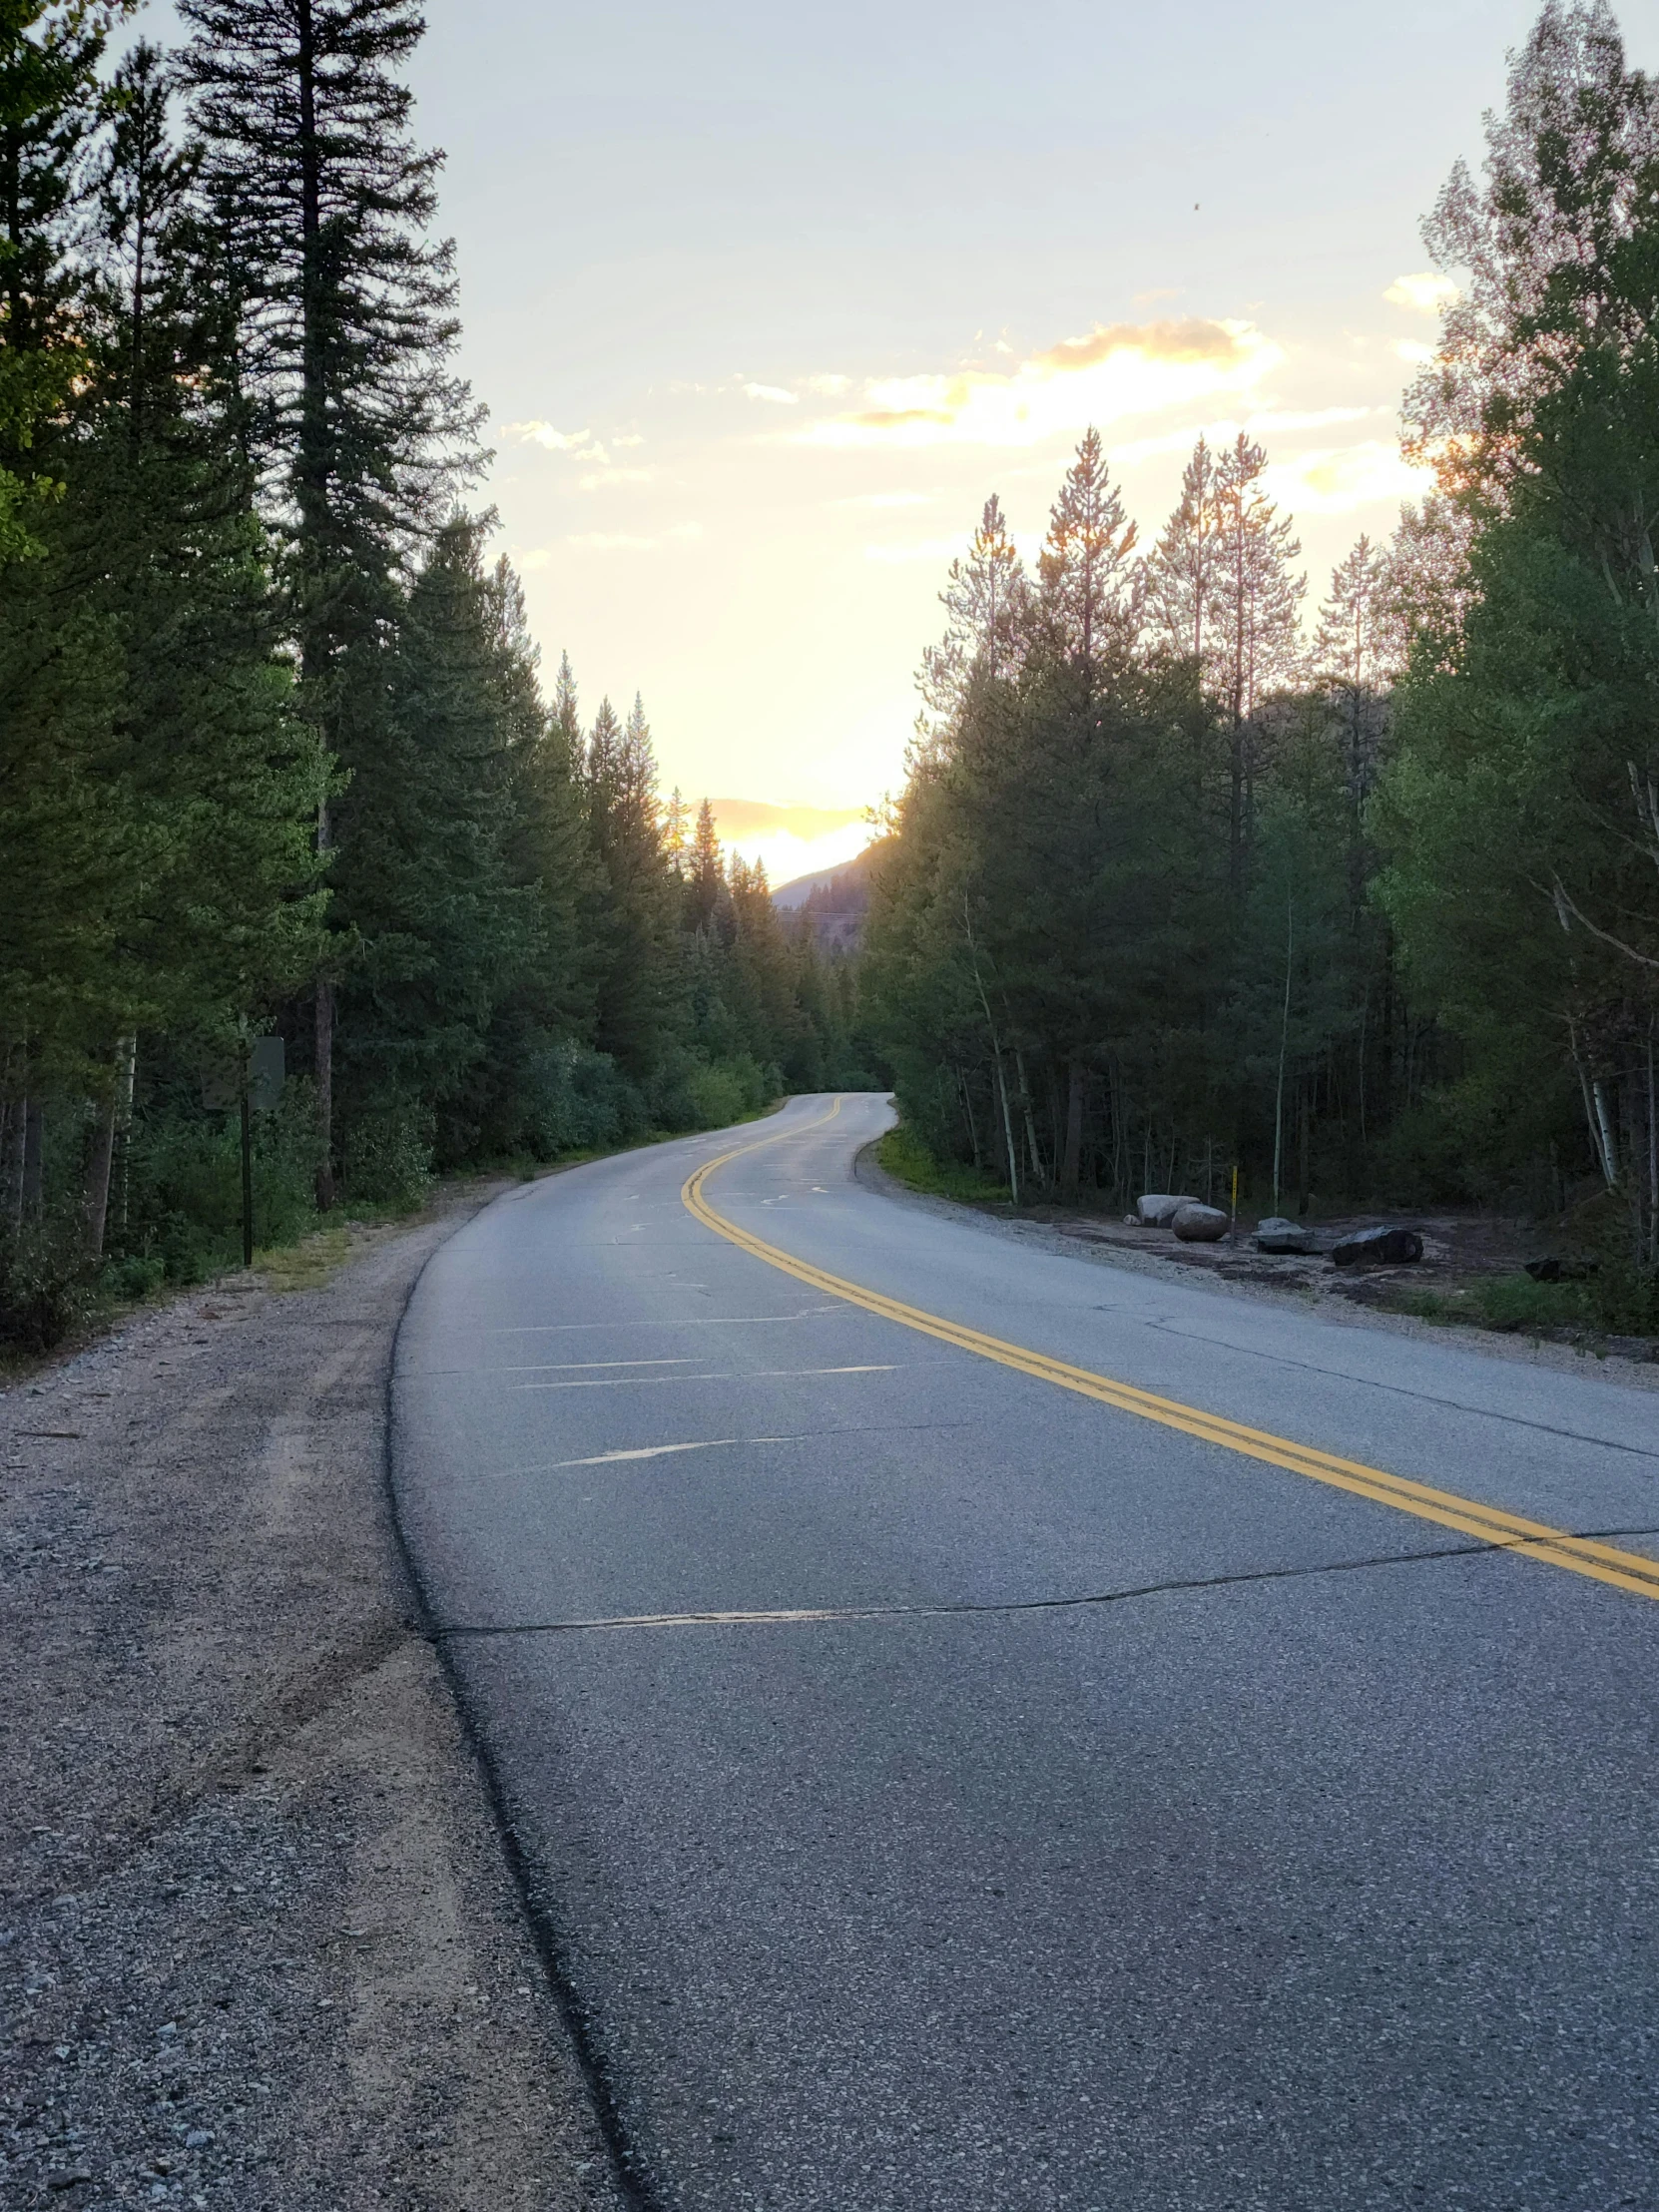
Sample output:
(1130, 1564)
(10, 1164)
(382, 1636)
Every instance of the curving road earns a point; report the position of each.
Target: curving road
(990, 1731)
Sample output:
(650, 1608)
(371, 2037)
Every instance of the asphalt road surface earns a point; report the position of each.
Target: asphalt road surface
(993, 1731)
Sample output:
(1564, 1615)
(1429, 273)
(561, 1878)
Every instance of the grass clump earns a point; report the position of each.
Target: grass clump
(1513, 1304)
(908, 1161)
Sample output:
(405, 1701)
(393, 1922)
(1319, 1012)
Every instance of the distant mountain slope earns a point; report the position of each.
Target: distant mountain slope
(832, 902)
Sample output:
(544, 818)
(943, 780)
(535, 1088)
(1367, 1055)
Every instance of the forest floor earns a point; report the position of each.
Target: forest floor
(1472, 1277)
(260, 1947)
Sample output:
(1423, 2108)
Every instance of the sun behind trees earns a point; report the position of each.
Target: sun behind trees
(274, 758)
(1372, 917)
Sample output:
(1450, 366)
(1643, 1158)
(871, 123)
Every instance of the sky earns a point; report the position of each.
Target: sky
(765, 300)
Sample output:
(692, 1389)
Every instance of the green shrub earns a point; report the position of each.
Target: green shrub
(904, 1156)
(44, 1288)
(178, 1197)
(387, 1155)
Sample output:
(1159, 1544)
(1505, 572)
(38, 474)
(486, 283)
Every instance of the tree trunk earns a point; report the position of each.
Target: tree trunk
(1008, 1131)
(11, 1165)
(1071, 1161)
(124, 1127)
(326, 1095)
(95, 1188)
(34, 1162)
(1030, 1125)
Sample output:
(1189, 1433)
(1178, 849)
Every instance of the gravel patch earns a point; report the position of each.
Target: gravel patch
(258, 1944)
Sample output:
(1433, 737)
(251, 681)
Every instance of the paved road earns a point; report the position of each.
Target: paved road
(1095, 1815)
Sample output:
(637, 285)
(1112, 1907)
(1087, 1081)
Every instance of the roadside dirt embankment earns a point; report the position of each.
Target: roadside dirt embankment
(259, 1946)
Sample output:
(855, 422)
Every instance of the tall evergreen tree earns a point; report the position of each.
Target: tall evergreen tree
(1088, 595)
(987, 599)
(1184, 569)
(1255, 643)
(322, 203)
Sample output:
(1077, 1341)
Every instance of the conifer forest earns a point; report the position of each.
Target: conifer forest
(1351, 887)
(277, 759)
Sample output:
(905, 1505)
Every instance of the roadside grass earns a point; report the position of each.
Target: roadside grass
(1513, 1304)
(908, 1161)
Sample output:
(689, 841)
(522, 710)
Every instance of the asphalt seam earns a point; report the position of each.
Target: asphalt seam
(808, 1616)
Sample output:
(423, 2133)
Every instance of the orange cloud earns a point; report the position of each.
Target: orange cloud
(1110, 372)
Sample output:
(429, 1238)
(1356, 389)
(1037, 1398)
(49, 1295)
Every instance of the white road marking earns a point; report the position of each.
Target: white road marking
(647, 1452)
(561, 1366)
(640, 1381)
(709, 1321)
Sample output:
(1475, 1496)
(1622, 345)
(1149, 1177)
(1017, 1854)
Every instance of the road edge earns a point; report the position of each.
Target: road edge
(633, 2191)
(1630, 1375)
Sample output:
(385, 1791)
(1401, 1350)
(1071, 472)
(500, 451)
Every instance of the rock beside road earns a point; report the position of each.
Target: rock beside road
(1157, 1208)
(1196, 1223)
(1275, 1234)
(1378, 1247)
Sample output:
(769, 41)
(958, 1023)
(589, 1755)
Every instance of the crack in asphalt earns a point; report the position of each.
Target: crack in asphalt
(788, 1616)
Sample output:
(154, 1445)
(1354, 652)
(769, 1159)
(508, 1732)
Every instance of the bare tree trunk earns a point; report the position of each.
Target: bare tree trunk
(967, 1109)
(1007, 1127)
(1604, 1122)
(326, 1095)
(1030, 1125)
(34, 1162)
(95, 1187)
(1652, 1157)
(1284, 1044)
(1071, 1162)
(127, 1076)
(11, 1143)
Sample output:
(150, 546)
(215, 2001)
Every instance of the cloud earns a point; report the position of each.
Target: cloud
(889, 499)
(601, 480)
(748, 818)
(773, 394)
(1111, 372)
(1414, 351)
(1424, 294)
(619, 541)
(632, 438)
(928, 549)
(579, 442)
(1339, 479)
(829, 388)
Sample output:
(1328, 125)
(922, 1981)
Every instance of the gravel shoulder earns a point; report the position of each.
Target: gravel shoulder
(1299, 1285)
(260, 1948)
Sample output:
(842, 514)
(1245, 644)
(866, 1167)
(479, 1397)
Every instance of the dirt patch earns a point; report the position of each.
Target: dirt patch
(258, 1944)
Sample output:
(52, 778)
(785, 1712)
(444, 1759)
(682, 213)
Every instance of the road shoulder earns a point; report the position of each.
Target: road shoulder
(1563, 1359)
(259, 1943)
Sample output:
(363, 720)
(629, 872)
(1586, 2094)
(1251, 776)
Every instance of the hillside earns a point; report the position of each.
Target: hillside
(832, 902)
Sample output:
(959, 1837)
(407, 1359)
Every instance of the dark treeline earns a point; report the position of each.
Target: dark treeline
(274, 756)
(1366, 905)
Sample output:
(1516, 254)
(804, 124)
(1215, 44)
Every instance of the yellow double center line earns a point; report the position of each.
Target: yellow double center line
(1489, 1524)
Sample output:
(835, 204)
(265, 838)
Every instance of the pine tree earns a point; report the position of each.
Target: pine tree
(1353, 659)
(987, 597)
(1183, 572)
(1566, 163)
(705, 875)
(321, 205)
(636, 953)
(51, 103)
(1088, 598)
(1254, 639)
